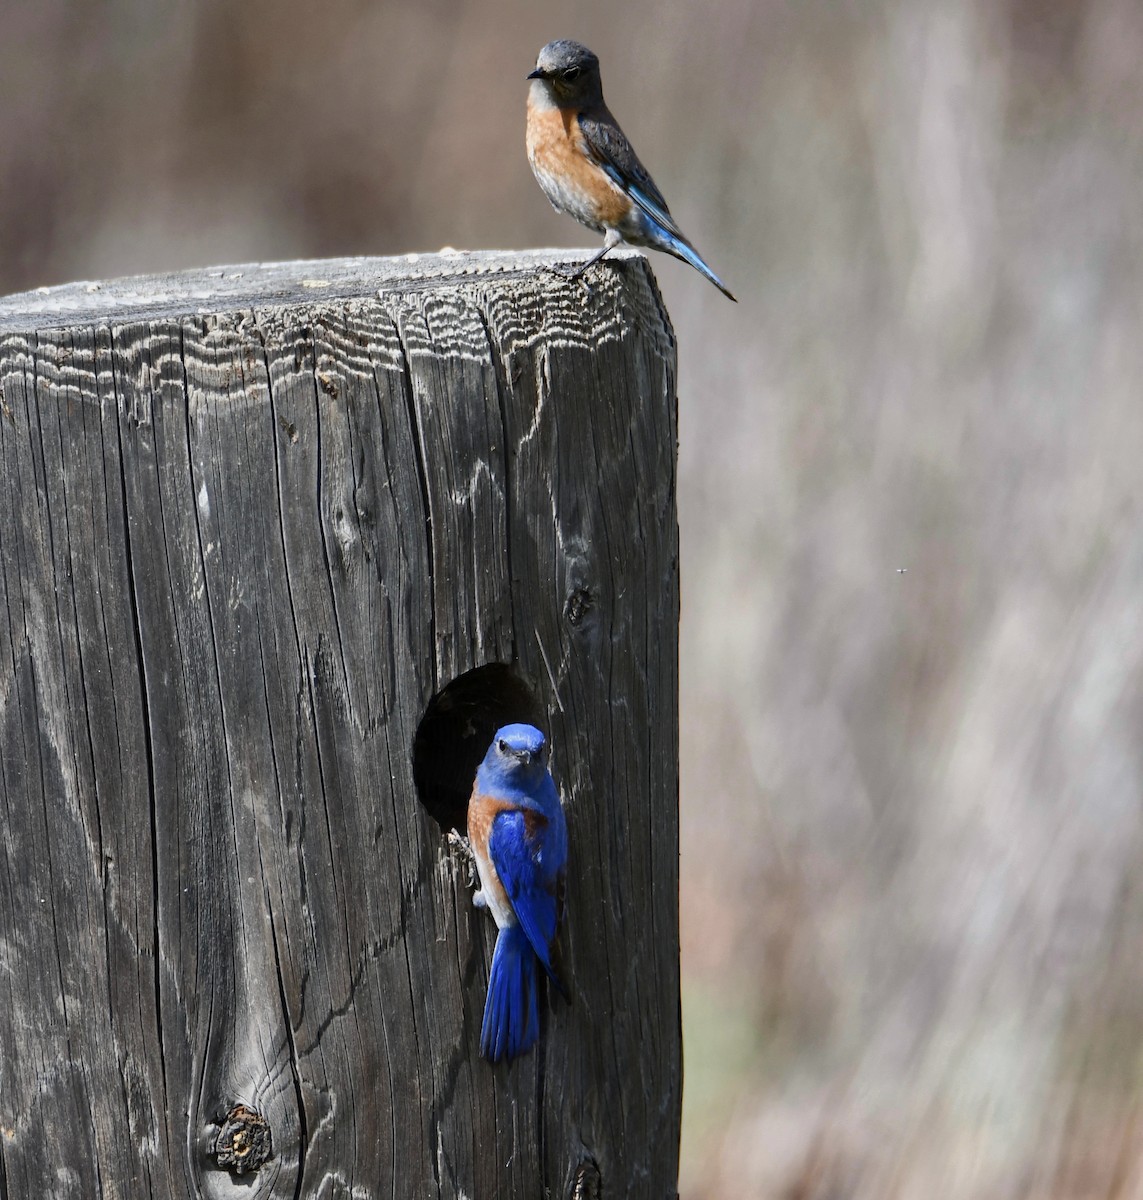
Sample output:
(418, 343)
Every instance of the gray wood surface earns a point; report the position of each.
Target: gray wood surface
(256, 518)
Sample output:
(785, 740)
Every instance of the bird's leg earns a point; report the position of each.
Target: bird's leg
(609, 243)
(612, 240)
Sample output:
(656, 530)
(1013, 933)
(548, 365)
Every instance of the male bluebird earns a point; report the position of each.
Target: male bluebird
(585, 164)
(520, 843)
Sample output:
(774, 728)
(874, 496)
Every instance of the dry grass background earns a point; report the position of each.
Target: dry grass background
(911, 475)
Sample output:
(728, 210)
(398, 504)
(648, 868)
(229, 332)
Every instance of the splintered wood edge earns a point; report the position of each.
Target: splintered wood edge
(215, 289)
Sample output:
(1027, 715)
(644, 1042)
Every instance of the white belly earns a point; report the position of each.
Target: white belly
(494, 894)
(565, 197)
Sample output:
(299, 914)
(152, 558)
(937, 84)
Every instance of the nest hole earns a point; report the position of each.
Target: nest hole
(455, 732)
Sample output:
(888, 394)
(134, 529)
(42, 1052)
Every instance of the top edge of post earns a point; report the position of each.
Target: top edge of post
(207, 290)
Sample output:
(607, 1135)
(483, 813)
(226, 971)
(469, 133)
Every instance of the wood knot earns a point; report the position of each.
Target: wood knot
(244, 1142)
(587, 1183)
(578, 606)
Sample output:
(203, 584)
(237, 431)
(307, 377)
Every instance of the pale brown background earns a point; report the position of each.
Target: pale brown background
(911, 473)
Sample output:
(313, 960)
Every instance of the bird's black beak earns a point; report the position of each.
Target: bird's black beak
(537, 74)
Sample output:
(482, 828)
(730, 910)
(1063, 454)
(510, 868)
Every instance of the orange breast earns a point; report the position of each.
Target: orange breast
(572, 181)
(482, 811)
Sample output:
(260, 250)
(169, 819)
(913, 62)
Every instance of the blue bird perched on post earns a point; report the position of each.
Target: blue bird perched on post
(520, 843)
(586, 166)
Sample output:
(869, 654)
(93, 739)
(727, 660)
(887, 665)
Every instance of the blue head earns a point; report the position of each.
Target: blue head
(518, 757)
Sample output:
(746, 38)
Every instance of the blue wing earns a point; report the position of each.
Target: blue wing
(621, 165)
(533, 898)
(619, 162)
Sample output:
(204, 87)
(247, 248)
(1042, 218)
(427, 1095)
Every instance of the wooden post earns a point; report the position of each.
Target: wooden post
(255, 520)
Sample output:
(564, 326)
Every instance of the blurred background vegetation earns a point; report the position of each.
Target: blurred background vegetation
(911, 471)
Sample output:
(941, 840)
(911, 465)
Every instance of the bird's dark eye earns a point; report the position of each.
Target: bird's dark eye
(502, 746)
(571, 74)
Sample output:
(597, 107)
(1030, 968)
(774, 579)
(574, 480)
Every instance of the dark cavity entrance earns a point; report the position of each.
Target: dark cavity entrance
(456, 731)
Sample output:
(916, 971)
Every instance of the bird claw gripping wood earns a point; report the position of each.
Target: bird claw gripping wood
(459, 844)
(572, 274)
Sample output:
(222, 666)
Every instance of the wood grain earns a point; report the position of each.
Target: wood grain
(257, 518)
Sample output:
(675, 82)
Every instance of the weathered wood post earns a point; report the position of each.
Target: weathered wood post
(255, 521)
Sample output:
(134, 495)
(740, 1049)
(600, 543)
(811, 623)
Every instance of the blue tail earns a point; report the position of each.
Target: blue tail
(689, 254)
(511, 1012)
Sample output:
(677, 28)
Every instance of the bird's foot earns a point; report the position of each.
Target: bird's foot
(571, 274)
(459, 844)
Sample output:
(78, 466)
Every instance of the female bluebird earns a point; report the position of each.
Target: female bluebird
(585, 164)
(520, 843)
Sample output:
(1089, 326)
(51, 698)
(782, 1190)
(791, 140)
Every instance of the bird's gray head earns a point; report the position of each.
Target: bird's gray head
(569, 73)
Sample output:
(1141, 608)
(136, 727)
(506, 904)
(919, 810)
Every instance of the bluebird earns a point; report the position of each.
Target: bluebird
(585, 164)
(520, 843)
